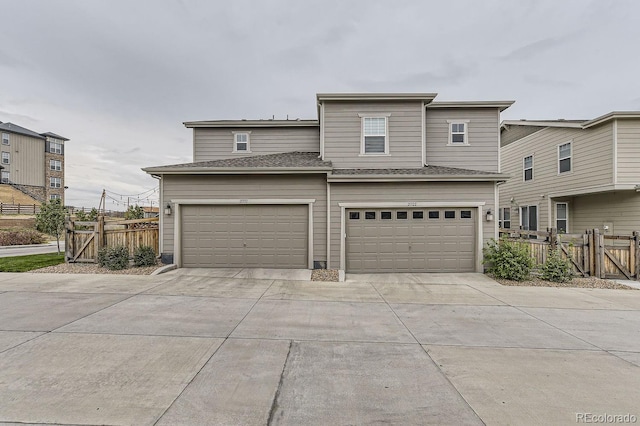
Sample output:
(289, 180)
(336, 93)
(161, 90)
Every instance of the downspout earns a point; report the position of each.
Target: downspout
(160, 213)
(321, 130)
(424, 134)
(328, 225)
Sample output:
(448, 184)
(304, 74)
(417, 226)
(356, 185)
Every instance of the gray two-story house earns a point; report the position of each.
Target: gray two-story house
(377, 183)
(572, 175)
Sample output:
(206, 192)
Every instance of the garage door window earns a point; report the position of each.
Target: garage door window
(465, 214)
(401, 215)
(385, 215)
(434, 215)
(449, 214)
(418, 215)
(369, 215)
(354, 215)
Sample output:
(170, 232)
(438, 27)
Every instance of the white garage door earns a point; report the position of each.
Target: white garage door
(411, 240)
(251, 236)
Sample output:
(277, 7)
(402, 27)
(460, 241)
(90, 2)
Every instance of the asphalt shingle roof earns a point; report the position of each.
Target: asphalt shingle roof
(427, 170)
(14, 128)
(284, 160)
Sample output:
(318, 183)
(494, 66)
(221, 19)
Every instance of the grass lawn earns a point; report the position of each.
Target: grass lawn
(28, 263)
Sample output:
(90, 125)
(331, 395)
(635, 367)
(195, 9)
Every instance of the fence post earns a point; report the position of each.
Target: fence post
(101, 236)
(586, 264)
(68, 239)
(636, 244)
(596, 252)
(18, 208)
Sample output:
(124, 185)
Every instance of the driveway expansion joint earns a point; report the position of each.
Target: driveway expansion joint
(276, 396)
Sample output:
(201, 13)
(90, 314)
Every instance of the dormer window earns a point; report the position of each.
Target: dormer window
(241, 142)
(458, 134)
(375, 137)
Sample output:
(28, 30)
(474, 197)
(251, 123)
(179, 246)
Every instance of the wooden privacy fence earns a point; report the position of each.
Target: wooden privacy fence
(84, 239)
(591, 254)
(19, 208)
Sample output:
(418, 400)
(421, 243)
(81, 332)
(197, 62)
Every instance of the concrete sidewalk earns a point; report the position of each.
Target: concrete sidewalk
(196, 347)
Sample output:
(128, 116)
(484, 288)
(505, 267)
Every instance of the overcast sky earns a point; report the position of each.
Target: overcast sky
(118, 77)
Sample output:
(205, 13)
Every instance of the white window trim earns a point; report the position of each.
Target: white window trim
(55, 197)
(524, 168)
(55, 182)
(501, 218)
(567, 213)
(8, 176)
(537, 214)
(570, 157)
(466, 133)
(57, 165)
(5, 137)
(386, 133)
(57, 149)
(235, 142)
(8, 158)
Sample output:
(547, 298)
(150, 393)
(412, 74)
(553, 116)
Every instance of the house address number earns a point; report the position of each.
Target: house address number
(412, 204)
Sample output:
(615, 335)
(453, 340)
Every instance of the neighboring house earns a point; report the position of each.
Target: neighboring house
(150, 212)
(33, 162)
(572, 175)
(378, 183)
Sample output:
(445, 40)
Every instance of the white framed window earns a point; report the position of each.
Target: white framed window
(54, 197)
(504, 217)
(241, 141)
(5, 177)
(458, 132)
(529, 218)
(55, 165)
(527, 168)
(5, 139)
(55, 147)
(375, 135)
(6, 158)
(55, 182)
(564, 158)
(562, 217)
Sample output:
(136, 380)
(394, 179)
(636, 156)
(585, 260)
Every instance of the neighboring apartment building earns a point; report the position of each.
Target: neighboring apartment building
(33, 162)
(378, 183)
(572, 174)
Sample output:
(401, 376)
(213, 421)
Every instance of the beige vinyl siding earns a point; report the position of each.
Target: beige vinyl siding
(628, 151)
(216, 144)
(482, 133)
(27, 165)
(618, 208)
(258, 186)
(407, 192)
(513, 133)
(343, 133)
(591, 165)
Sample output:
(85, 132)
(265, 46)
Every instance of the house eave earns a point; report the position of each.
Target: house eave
(594, 190)
(568, 124)
(417, 178)
(502, 105)
(423, 97)
(250, 123)
(234, 170)
(611, 116)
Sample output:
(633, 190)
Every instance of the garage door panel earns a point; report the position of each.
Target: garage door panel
(411, 245)
(245, 236)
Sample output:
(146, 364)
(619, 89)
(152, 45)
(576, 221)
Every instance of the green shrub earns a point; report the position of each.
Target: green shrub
(144, 256)
(14, 237)
(556, 268)
(114, 258)
(508, 260)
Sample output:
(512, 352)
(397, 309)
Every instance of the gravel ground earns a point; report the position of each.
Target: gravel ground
(589, 282)
(324, 275)
(92, 268)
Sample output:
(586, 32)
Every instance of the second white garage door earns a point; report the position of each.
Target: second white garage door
(245, 236)
(411, 240)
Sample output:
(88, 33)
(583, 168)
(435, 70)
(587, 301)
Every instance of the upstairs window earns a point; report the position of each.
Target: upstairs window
(55, 182)
(564, 158)
(55, 165)
(54, 197)
(375, 139)
(528, 167)
(458, 134)
(5, 139)
(241, 142)
(6, 158)
(55, 147)
(5, 177)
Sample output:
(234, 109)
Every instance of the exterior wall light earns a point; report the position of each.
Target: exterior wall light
(167, 210)
(489, 216)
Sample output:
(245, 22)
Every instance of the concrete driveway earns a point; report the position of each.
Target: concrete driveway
(196, 347)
